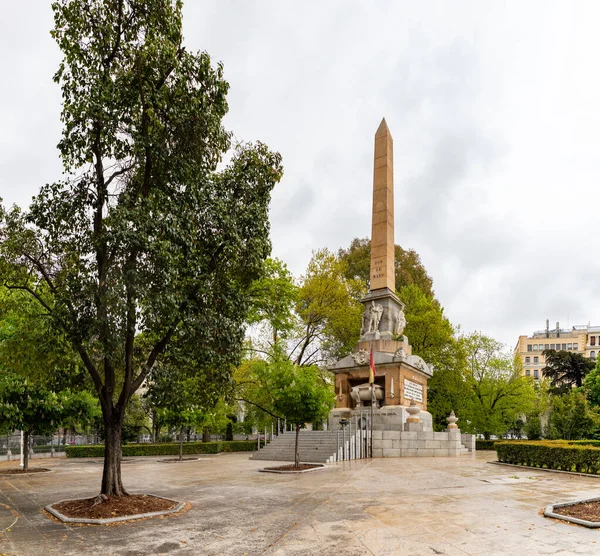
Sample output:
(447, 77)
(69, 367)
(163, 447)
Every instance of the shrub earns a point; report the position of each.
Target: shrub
(560, 455)
(485, 444)
(97, 451)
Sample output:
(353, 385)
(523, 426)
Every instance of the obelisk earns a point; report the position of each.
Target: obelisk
(383, 318)
(382, 233)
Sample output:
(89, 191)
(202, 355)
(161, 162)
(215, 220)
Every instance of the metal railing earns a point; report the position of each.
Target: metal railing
(354, 438)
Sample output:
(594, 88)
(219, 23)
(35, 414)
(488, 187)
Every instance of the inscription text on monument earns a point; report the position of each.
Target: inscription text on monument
(413, 391)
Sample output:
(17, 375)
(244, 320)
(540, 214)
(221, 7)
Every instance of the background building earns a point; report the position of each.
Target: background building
(580, 339)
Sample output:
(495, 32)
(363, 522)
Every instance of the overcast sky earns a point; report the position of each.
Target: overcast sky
(493, 107)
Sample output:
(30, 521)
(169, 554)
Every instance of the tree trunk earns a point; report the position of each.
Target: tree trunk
(296, 454)
(206, 435)
(486, 435)
(26, 450)
(181, 444)
(112, 484)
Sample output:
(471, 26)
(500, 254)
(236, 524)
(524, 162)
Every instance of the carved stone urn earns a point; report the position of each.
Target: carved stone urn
(413, 411)
(452, 421)
(362, 393)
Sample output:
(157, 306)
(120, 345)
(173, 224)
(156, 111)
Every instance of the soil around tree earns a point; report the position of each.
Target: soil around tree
(588, 511)
(24, 471)
(293, 468)
(114, 506)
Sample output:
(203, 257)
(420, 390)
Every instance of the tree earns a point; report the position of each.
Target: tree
(300, 395)
(408, 265)
(500, 393)
(144, 235)
(571, 417)
(566, 369)
(591, 385)
(541, 405)
(272, 299)
(31, 347)
(34, 409)
(329, 311)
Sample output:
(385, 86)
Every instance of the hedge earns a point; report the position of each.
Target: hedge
(485, 444)
(171, 449)
(551, 455)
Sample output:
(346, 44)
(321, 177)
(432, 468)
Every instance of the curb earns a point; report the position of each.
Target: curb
(578, 473)
(284, 472)
(549, 512)
(28, 474)
(108, 520)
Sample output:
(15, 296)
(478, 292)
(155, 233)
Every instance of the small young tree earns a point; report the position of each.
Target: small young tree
(34, 409)
(300, 395)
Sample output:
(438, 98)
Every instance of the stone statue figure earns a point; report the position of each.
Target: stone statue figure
(375, 317)
(400, 323)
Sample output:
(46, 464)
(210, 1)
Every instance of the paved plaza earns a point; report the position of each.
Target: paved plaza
(388, 506)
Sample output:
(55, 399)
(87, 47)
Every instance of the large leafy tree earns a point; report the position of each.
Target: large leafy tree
(408, 265)
(143, 235)
(328, 309)
(566, 369)
(500, 394)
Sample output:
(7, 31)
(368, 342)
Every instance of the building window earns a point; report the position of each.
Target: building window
(529, 347)
(551, 346)
(536, 374)
(527, 372)
(536, 360)
(592, 340)
(575, 347)
(592, 355)
(527, 360)
(535, 347)
(546, 346)
(564, 346)
(569, 346)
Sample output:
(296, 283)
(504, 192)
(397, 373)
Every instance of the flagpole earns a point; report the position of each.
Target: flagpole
(372, 381)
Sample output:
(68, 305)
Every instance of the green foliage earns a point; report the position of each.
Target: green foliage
(499, 392)
(31, 347)
(28, 406)
(299, 393)
(550, 455)
(272, 298)
(485, 444)
(566, 369)
(164, 449)
(591, 385)
(329, 311)
(146, 244)
(409, 268)
(571, 417)
(533, 427)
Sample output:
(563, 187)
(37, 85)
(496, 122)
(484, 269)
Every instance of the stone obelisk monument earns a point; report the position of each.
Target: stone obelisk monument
(382, 233)
(401, 377)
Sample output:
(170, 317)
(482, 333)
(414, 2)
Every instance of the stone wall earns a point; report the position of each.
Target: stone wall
(395, 444)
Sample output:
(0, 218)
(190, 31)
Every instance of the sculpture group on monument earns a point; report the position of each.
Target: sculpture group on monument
(402, 426)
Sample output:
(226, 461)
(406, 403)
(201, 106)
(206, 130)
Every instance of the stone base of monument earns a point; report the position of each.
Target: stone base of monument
(394, 436)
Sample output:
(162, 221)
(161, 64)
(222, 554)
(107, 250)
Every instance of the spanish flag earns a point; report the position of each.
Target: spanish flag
(372, 372)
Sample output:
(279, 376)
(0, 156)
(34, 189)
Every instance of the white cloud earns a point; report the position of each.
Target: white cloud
(493, 110)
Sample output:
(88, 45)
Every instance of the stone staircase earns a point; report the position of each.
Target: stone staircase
(313, 447)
